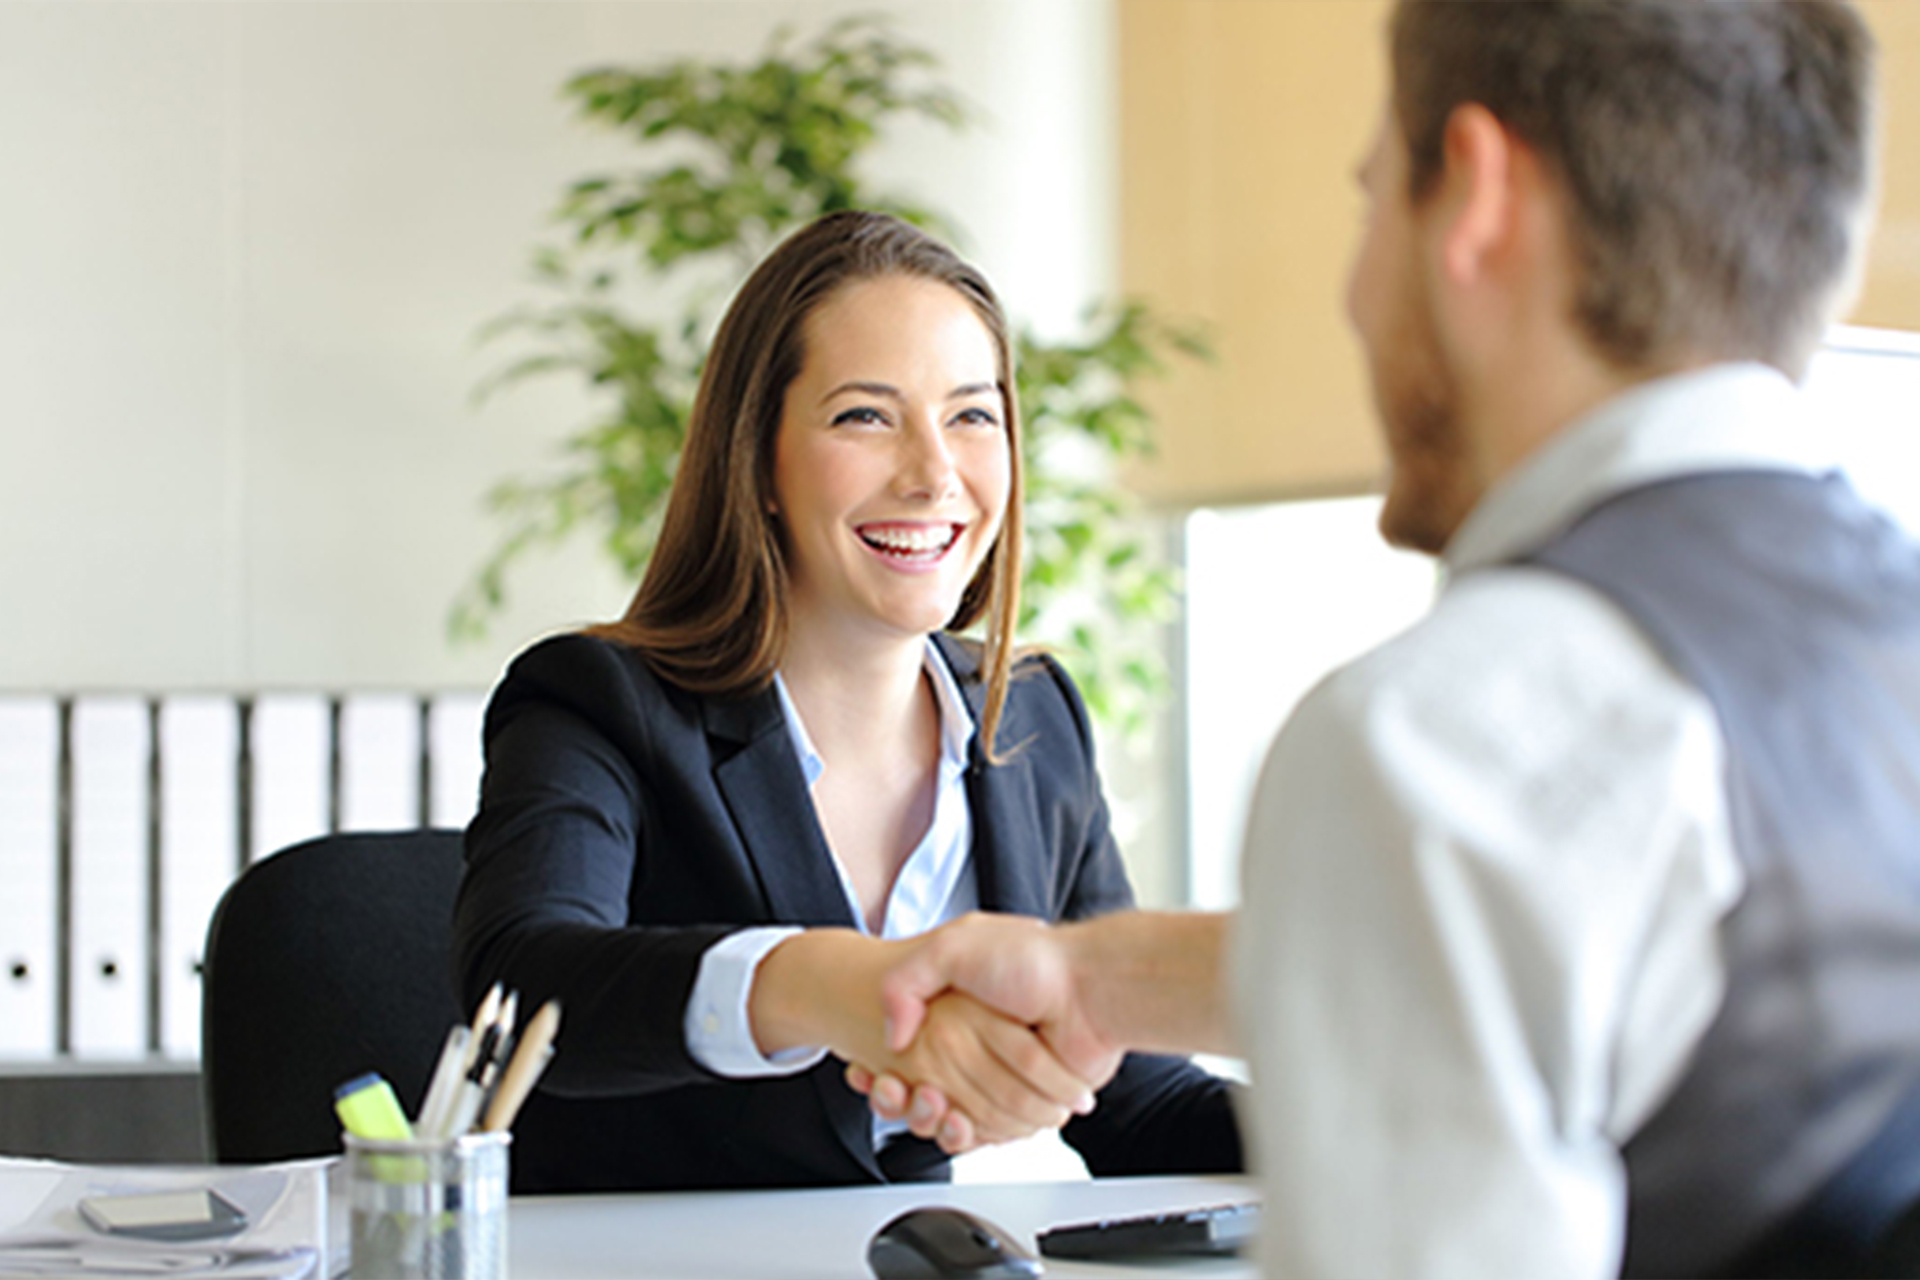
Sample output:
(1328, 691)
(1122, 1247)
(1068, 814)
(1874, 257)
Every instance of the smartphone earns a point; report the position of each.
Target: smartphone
(200, 1214)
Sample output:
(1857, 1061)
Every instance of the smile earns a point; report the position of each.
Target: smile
(912, 543)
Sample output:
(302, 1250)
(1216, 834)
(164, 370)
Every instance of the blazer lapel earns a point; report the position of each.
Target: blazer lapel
(766, 794)
(1010, 866)
(1009, 863)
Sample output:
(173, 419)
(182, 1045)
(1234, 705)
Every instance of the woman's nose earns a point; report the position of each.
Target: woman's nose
(926, 464)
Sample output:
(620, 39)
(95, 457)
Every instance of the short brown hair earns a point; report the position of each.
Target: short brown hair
(711, 611)
(1715, 154)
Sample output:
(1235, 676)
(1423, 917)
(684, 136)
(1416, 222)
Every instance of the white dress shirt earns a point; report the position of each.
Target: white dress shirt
(935, 885)
(1484, 873)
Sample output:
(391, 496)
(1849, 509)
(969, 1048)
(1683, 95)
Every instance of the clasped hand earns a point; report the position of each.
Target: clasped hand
(985, 1037)
(981, 1040)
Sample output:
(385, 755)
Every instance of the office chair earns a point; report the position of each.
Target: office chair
(326, 960)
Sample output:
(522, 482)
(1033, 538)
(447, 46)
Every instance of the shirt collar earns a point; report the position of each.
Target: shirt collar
(1725, 417)
(956, 724)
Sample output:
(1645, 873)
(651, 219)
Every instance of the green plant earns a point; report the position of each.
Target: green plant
(739, 157)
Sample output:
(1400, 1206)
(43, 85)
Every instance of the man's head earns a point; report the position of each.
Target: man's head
(1709, 165)
(1714, 154)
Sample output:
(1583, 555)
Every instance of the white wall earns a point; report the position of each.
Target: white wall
(244, 248)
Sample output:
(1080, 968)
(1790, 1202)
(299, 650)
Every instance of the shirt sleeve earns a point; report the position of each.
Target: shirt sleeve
(719, 1033)
(1461, 853)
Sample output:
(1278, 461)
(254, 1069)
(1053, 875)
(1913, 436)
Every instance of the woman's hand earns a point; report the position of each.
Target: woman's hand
(1014, 963)
(1024, 1086)
(991, 1079)
(925, 1108)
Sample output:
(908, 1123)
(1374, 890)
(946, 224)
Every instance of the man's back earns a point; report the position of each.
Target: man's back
(1796, 609)
(1493, 860)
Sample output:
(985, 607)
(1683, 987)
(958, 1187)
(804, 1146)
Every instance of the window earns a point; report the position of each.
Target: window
(1278, 596)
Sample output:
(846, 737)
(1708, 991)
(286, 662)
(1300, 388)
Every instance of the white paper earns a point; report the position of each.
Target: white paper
(43, 1235)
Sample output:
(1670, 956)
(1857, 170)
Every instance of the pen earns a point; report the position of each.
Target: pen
(509, 1010)
(494, 1046)
(368, 1109)
(529, 1060)
(446, 1081)
(485, 1016)
(436, 1114)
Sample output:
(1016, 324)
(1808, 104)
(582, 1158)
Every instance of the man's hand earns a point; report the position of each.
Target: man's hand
(985, 1078)
(1150, 980)
(1015, 964)
(992, 1078)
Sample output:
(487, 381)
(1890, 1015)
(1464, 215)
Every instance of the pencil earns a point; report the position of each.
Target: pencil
(529, 1060)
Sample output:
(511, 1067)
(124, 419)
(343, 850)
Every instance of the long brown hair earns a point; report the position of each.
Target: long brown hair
(711, 613)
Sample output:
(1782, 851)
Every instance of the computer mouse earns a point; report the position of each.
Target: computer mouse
(937, 1241)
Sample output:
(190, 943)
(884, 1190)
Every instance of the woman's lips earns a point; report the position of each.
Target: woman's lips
(915, 542)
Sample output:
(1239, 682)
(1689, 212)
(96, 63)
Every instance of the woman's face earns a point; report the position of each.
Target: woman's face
(892, 464)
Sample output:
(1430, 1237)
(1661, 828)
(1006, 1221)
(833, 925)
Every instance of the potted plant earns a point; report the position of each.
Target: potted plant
(728, 160)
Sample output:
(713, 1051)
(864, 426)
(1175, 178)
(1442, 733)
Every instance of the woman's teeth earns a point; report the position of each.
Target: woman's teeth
(910, 540)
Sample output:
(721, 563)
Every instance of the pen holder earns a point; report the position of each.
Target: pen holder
(428, 1210)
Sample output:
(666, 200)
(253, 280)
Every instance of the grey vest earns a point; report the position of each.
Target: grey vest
(1792, 1141)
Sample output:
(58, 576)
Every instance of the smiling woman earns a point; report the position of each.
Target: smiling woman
(893, 462)
(892, 468)
(706, 828)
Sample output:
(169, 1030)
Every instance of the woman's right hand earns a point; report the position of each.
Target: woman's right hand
(997, 1077)
(1015, 1089)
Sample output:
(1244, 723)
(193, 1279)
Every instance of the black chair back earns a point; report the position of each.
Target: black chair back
(324, 961)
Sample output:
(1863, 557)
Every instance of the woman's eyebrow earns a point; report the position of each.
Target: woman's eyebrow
(886, 389)
(892, 392)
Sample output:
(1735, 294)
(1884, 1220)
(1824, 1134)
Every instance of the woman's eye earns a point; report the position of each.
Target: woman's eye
(863, 416)
(977, 418)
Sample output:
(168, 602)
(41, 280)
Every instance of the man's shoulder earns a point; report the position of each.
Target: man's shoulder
(1513, 664)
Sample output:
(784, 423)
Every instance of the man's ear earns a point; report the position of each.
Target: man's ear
(1479, 158)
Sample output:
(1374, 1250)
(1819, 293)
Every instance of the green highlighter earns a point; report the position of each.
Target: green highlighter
(368, 1108)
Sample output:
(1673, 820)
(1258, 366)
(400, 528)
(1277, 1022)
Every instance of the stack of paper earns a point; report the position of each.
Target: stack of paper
(42, 1232)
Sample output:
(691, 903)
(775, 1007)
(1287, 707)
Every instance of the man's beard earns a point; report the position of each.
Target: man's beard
(1429, 490)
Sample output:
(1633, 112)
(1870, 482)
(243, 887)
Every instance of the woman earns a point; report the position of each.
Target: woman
(695, 821)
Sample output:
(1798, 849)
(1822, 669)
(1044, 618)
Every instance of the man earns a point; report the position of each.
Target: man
(1581, 923)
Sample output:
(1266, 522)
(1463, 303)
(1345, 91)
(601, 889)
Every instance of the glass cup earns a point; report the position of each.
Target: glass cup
(428, 1210)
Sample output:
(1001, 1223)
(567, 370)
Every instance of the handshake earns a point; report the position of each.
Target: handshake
(993, 1027)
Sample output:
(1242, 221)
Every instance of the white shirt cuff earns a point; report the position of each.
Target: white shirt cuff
(719, 1033)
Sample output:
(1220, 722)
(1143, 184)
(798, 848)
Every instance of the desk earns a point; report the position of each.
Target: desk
(822, 1235)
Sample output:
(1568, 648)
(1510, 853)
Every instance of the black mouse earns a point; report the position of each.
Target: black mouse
(925, 1244)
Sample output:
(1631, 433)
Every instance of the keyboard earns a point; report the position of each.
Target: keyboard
(1215, 1229)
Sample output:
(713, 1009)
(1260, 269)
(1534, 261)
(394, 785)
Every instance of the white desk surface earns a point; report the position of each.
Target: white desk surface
(822, 1235)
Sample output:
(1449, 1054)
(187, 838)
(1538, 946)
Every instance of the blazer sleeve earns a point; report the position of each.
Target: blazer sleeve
(1159, 1114)
(559, 840)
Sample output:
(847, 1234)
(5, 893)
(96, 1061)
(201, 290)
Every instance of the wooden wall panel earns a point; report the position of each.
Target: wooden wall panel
(1890, 297)
(1241, 122)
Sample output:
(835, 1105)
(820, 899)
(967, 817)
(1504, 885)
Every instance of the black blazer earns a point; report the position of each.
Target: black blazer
(626, 825)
